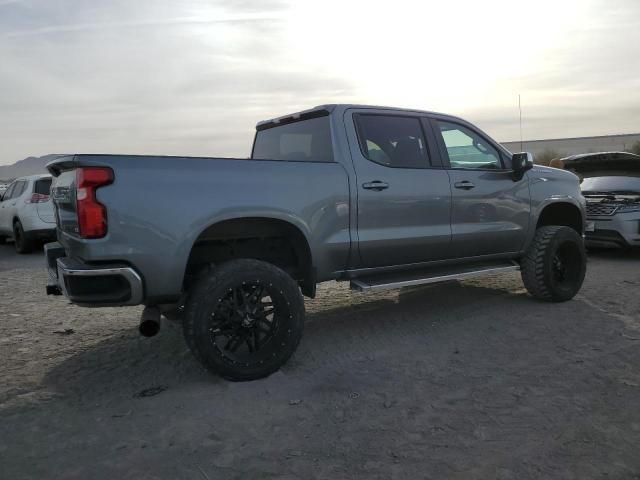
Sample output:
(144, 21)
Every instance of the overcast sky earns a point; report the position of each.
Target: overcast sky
(193, 77)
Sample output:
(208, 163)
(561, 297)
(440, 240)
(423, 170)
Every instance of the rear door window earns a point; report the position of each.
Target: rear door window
(15, 190)
(303, 141)
(392, 140)
(20, 188)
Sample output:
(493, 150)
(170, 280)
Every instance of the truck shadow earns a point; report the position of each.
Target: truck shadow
(615, 254)
(129, 365)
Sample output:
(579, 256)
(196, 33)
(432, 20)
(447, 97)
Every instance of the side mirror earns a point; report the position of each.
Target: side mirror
(520, 163)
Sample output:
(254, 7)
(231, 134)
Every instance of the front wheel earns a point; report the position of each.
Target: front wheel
(243, 319)
(554, 267)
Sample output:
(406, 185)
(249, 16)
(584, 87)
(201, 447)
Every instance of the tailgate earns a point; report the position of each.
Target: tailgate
(63, 193)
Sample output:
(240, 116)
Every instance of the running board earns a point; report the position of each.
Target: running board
(433, 275)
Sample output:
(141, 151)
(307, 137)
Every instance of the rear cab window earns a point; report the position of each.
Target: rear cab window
(306, 140)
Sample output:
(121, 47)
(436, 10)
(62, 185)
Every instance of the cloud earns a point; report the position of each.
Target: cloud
(92, 27)
(193, 77)
(193, 81)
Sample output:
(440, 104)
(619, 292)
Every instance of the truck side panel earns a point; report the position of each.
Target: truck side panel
(157, 207)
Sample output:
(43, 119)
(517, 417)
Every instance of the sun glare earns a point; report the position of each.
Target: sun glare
(429, 54)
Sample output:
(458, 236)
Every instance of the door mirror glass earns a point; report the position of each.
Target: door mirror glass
(520, 163)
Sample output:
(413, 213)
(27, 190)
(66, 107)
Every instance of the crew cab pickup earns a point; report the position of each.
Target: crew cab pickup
(380, 197)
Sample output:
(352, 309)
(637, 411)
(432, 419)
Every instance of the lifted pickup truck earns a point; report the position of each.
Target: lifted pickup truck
(380, 197)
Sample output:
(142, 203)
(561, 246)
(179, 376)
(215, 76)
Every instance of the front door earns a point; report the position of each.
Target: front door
(404, 198)
(490, 211)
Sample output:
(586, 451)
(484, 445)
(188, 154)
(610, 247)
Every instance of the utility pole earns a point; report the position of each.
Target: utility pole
(520, 109)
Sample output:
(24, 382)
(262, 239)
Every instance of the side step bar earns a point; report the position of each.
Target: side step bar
(422, 277)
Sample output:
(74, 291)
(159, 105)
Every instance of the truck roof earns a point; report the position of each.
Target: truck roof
(321, 110)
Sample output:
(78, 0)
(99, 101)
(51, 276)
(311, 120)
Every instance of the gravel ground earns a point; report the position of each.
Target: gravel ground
(468, 379)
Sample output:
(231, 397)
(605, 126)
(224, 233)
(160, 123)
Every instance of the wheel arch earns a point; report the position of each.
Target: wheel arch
(561, 212)
(281, 241)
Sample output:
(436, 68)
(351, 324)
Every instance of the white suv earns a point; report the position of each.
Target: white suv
(26, 212)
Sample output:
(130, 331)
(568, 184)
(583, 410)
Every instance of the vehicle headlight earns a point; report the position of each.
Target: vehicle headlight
(628, 208)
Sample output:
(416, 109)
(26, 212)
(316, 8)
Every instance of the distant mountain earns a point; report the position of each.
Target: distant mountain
(28, 166)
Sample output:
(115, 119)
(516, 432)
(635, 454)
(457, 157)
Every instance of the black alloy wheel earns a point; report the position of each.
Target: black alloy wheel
(243, 319)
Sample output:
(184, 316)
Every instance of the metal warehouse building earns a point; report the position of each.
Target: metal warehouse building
(573, 146)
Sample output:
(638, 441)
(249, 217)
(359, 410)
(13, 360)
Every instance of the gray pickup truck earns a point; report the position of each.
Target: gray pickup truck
(380, 197)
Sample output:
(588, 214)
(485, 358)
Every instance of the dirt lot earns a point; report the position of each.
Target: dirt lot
(458, 380)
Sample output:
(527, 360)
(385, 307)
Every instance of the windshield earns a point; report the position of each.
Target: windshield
(611, 184)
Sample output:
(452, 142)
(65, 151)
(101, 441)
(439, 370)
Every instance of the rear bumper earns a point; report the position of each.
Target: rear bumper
(91, 285)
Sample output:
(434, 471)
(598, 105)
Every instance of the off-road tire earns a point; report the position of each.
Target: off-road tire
(21, 240)
(554, 267)
(209, 309)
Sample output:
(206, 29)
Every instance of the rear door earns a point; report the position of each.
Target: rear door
(490, 212)
(403, 194)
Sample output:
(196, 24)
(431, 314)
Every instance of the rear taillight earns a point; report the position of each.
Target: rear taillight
(37, 198)
(92, 216)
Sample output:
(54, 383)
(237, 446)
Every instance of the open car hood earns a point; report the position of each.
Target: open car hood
(621, 163)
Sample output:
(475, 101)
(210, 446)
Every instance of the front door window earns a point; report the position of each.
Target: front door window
(467, 149)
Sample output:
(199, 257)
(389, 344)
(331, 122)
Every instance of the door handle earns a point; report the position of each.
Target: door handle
(466, 185)
(376, 185)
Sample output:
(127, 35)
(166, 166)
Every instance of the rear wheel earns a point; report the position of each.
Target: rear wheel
(555, 264)
(22, 242)
(243, 319)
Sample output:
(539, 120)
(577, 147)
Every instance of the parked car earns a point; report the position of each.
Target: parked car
(611, 185)
(26, 212)
(380, 197)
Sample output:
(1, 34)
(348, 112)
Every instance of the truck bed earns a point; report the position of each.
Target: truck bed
(157, 206)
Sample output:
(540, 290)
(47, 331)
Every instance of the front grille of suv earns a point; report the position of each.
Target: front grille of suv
(595, 209)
